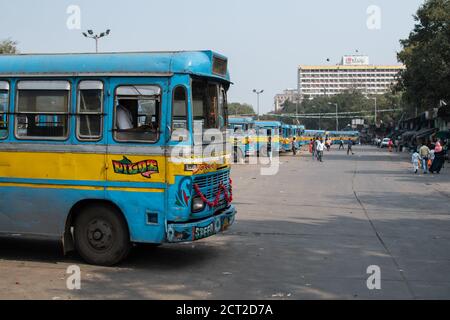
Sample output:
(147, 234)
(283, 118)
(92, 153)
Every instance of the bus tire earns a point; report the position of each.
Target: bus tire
(238, 155)
(263, 152)
(101, 236)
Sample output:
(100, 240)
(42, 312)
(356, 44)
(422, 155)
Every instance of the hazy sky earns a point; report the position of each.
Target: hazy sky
(264, 40)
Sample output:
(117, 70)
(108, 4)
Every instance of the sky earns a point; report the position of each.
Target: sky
(264, 40)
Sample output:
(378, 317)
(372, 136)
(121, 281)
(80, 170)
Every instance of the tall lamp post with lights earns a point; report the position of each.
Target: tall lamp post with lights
(90, 34)
(258, 92)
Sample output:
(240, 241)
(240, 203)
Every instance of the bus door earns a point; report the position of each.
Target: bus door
(136, 157)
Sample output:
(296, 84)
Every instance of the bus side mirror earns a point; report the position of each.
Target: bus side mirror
(169, 133)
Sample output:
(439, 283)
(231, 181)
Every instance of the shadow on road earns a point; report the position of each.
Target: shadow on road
(309, 259)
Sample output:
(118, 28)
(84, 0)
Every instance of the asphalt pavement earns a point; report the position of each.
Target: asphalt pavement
(309, 232)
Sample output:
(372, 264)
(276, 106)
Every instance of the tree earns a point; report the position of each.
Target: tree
(8, 46)
(426, 55)
(235, 109)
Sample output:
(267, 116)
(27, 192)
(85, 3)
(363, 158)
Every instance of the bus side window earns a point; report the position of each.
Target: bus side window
(137, 113)
(89, 110)
(42, 110)
(179, 114)
(4, 103)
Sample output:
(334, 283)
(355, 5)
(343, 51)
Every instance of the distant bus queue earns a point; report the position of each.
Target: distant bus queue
(251, 137)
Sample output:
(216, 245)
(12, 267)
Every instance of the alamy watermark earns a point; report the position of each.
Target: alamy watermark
(373, 21)
(73, 282)
(216, 147)
(73, 21)
(374, 280)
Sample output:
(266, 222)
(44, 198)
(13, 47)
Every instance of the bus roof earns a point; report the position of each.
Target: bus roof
(201, 63)
(268, 124)
(240, 120)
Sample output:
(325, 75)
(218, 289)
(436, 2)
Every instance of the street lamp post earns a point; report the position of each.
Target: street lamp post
(90, 34)
(337, 117)
(258, 92)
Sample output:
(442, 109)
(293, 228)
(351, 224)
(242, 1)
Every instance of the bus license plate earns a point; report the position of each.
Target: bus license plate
(205, 232)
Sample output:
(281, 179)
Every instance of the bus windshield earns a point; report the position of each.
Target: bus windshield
(209, 105)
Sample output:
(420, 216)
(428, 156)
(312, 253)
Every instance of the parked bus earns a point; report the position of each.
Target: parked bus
(264, 129)
(86, 143)
(287, 133)
(242, 129)
(312, 134)
(299, 130)
(346, 136)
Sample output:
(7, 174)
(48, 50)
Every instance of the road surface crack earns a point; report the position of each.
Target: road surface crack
(380, 239)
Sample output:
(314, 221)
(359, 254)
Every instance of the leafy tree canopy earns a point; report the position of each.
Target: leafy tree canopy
(426, 54)
(8, 46)
(240, 109)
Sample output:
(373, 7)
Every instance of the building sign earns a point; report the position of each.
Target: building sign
(355, 60)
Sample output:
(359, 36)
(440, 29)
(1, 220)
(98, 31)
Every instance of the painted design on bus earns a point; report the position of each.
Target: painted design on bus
(184, 192)
(145, 168)
(205, 168)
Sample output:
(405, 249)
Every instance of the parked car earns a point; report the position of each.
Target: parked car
(385, 143)
(377, 142)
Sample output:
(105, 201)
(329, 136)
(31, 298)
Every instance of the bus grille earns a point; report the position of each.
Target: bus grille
(209, 185)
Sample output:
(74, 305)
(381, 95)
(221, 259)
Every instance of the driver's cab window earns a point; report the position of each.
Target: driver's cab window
(137, 113)
(179, 114)
(4, 107)
(238, 129)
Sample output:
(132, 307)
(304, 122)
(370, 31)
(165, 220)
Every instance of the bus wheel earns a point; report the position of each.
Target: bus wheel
(238, 156)
(263, 152)
(101, 236)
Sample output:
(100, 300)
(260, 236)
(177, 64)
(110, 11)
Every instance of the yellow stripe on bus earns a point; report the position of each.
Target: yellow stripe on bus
(49, 186)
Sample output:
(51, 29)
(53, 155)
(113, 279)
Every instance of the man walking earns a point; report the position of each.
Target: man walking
(424, 153)
(320, 148)
(349, 148)
(341, 144)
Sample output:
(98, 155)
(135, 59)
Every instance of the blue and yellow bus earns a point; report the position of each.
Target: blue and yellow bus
(287, 133)
(264, 129)
(89, 149)
(242, 129)
(309, 135)
(346, 136)
(298, 133)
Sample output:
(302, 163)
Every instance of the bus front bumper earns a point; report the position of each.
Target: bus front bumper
(186, 232)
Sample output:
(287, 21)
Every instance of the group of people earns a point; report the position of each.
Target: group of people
(429, 159)
(318, 145)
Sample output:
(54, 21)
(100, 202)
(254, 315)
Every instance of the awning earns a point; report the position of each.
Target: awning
(425, 132)
(444, 112)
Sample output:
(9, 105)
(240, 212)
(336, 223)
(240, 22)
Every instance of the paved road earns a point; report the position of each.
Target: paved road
(310, 232)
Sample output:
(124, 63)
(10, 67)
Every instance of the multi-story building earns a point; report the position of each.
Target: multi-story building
(353, 73)
(287, 95)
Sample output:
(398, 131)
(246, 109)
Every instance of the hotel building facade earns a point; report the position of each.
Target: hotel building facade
(353, 73)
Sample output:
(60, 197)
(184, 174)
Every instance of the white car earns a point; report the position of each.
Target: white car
(385, 142)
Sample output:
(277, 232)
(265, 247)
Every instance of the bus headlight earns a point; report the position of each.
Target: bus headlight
(197, 205)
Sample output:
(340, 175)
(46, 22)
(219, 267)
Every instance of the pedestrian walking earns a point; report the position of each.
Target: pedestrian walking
(294, 146)
(415, 159)
(341, 144)
(390, 145)
(312, 146)
(439, 158)
(269, 145)
(424, 153)
(320, 148)
(328, 144)
(350, 147)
